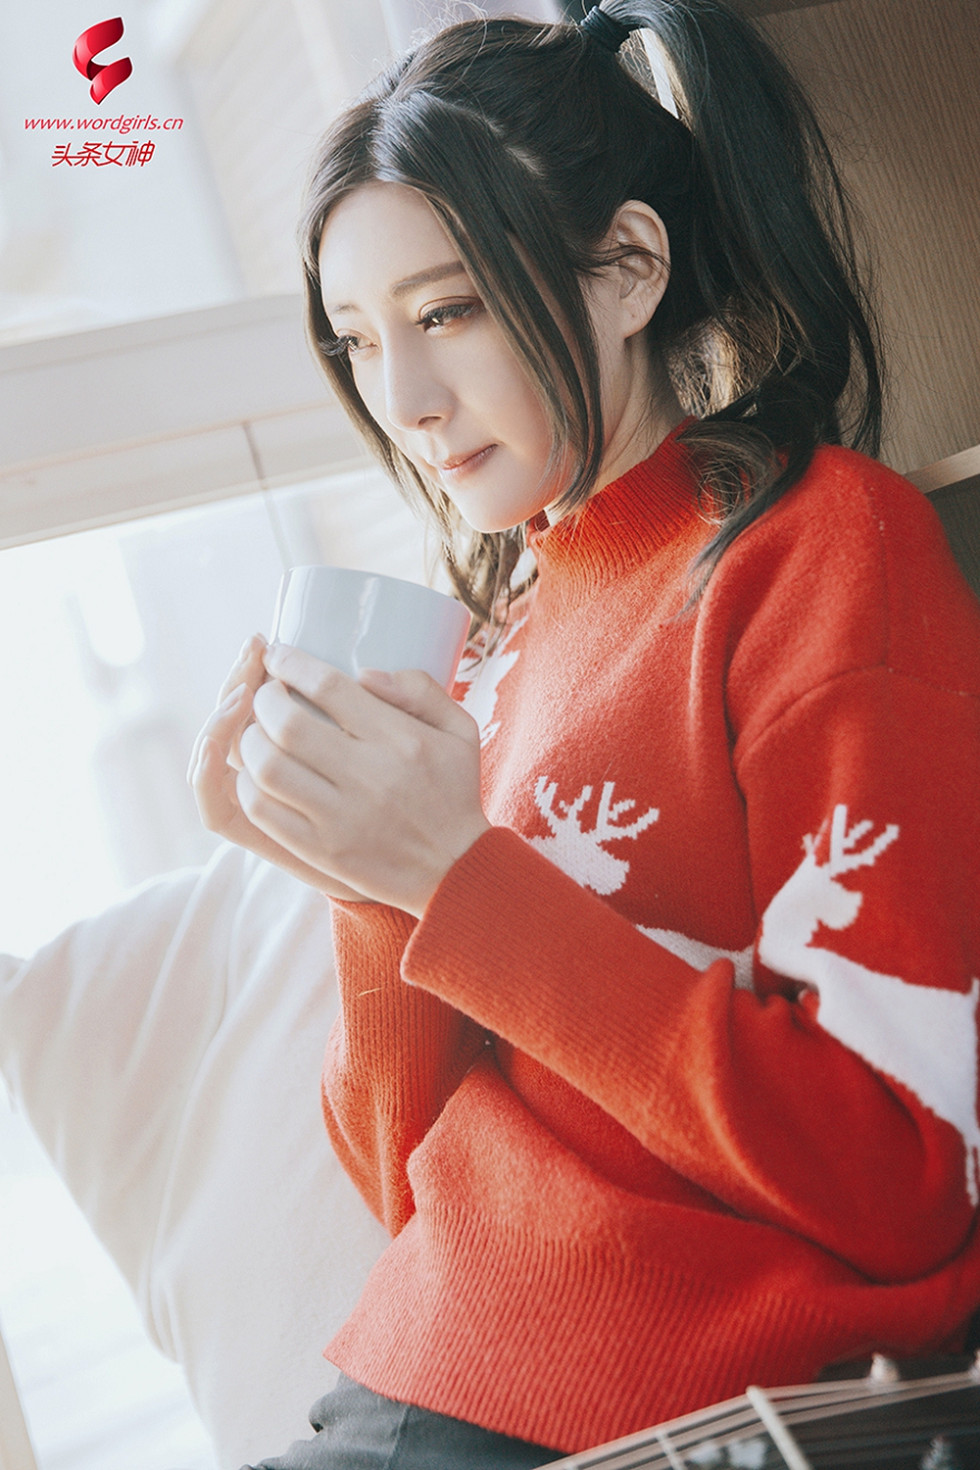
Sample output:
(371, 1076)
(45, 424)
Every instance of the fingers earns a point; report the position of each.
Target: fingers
(222, 812)
(418, 694)
(261, 822)
(223, 727)
(375, 782)
(332, 692)
(267, 813)
(214, 790)
(284, 775)
(296, 727)
(248, 670)
(232, 805)
(343, 699)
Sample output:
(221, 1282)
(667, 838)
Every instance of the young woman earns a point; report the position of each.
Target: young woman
(659, 944)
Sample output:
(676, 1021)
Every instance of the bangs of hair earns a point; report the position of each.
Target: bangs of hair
(526, 255)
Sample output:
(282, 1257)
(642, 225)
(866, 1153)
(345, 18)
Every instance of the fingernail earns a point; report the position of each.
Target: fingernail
(377, 677)
(233, 698)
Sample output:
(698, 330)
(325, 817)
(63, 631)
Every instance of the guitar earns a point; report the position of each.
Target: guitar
(928, 1421)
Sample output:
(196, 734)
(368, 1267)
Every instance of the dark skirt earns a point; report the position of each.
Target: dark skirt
(360, 1430)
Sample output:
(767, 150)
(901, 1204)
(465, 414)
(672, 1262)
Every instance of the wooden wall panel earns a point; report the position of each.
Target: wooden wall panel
(895, 83)
(753, 8)
(958, 507)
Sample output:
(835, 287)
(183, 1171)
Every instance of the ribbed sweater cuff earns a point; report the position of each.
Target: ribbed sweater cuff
(516, 944)
(376, 923)
(369, 941)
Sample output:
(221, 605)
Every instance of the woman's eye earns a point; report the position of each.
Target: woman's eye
(345, 346)
(441, 316)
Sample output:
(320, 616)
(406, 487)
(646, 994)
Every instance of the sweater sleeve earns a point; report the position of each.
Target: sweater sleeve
(837, 1097)
(394, 1056)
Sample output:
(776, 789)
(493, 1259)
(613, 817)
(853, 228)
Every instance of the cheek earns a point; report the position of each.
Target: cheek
(370, 390)
(511, 405)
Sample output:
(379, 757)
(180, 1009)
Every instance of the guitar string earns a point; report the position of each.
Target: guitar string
(884, 1397)
(879, 1451)
(803, 1409)
(673, 1460)
(727, 1422)
(868, 1451)
(721, 1429)
(726, 1417)
(734, 1415)
(830, 1404)
(778, 1432)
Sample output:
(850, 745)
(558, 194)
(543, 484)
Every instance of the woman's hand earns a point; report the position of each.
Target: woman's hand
(383, 795)
(216, 761)
(247, 673)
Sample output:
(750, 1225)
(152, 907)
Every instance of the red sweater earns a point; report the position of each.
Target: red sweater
(674, 1086)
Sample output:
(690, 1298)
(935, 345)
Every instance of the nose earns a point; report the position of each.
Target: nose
(416, 397)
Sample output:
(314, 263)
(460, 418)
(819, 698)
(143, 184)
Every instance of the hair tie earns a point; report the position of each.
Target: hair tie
(604, 30)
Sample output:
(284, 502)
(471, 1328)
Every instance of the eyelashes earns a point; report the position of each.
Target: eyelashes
(348, 344)
(337, 346)
(455, 311)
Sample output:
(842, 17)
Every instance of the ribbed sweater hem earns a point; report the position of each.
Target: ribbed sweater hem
(646, 1342)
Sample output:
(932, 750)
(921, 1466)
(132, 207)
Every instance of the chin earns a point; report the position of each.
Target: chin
(503, 515)
(488, 525)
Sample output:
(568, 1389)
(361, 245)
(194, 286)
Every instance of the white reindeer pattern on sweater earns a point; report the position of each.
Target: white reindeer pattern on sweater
(482, 674)
(578, 852)
(922, 1036)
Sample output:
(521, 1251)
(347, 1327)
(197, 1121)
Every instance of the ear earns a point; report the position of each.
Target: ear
(639, 236)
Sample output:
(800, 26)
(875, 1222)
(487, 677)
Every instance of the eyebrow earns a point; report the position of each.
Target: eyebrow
(411, 283)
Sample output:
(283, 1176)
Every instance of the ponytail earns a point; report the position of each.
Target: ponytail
(772, 258)
(526, 139)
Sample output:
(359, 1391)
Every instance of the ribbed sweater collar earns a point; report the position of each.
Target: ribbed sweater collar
(621, 527)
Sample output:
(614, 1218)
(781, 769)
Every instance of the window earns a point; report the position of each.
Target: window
(118, 640)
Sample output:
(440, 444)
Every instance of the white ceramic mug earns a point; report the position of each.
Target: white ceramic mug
(360, 620)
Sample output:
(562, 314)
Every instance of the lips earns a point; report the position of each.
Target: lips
(460, 463)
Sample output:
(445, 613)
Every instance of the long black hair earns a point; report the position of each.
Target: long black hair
(526, 139)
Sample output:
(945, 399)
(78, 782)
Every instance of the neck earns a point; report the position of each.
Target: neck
(646, 410)
(650, 411)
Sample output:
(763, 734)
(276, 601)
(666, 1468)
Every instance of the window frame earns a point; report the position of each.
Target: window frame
(121, 422)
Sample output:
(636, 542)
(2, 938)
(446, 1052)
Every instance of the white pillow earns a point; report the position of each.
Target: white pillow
(167, 1053)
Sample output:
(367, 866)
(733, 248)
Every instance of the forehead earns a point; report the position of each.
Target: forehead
(376, 238)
